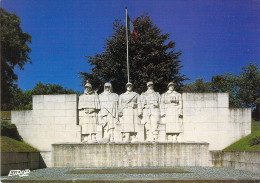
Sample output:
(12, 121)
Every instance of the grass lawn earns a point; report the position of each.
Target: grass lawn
(243, 144)
(11, 145)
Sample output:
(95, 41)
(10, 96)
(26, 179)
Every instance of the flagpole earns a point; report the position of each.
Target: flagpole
(127, 59)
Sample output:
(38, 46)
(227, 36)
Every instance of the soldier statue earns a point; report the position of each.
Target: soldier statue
(88, 113)
(129, 110)
(172, 113)
(151, 112)
(109, 112)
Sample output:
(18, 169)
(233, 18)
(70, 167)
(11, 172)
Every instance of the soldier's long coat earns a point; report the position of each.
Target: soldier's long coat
(129, 106)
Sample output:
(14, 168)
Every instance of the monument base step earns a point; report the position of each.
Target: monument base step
(130, 154)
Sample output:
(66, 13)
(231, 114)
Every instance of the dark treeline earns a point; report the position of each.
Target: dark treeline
(243, 89)
(22, 100)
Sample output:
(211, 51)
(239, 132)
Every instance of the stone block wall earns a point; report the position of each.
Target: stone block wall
(46, 159)
(19, 161)
(53, 119)
(244, 160)
(130, 155)
(207, 117)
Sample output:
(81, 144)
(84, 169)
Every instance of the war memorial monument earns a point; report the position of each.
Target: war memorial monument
(146, 129)
(135, 134)
(131, 130)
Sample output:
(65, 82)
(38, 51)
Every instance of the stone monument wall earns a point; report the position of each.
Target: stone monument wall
(241, 160)
(130, 155)
(207, 117)
(53, 119)
(19, 161)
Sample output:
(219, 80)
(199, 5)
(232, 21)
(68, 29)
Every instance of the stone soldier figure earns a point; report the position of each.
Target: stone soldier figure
(151, 112)
(172, 113)
(88, 113)
(109, 111)
(129, 110)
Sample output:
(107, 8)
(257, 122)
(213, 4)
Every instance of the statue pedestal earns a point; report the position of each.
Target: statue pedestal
(130, 154)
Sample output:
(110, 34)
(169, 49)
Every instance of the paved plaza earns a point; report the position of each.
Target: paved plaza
(152, 174)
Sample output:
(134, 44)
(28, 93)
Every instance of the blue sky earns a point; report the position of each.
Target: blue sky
(214, 36)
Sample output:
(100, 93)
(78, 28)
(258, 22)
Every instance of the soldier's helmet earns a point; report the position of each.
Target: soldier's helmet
(128, 84)
(108, 84)
(149, 83)
(170, 84)
(88, 85)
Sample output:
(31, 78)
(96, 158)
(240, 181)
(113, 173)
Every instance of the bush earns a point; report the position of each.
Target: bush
(9, 129)
(254, 141)
(5, 115)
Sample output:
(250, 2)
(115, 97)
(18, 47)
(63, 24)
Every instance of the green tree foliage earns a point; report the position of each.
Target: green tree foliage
(152, 56)
(249, 85)
(50, 89)
(243, 89)
(198, 86)
(23, 100)
(229, 83)
(14, 52)
(249, 92)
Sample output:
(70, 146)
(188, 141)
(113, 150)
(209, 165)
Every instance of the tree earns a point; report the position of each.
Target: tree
(243, 89)
(198, 86)
(249, 85)
(229, 83)
(23, 100)
(20, 100)
(249, 88)
(152, 56)
(51, 89)
(14, 52)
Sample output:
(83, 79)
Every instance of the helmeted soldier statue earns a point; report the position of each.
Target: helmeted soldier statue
(88, 113)
(129, 111)
(109, 111)
(151, 112)
(172, 113)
